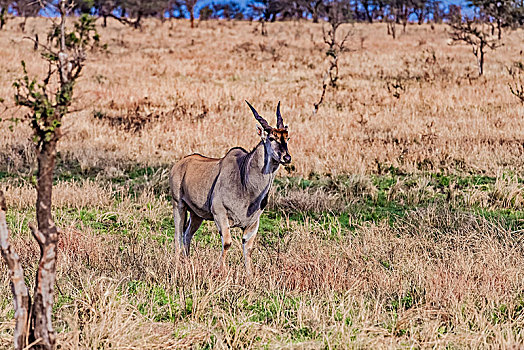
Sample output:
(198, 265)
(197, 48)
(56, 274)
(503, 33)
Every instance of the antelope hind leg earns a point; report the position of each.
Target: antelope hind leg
(194, 223)
(248, 240)
(179, 215)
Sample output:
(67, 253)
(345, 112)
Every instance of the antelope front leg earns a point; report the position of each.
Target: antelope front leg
(247, 245)
(223, 227)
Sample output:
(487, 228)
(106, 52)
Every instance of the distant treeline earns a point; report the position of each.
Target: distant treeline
(500, 12)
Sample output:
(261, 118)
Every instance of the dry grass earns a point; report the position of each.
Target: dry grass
(438, 275)
(167, 91)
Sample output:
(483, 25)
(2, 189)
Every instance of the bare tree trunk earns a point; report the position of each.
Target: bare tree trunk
(481, 59)
(192, 17)
(46, 234)
(22, 25)
(391, 28)
(315, 11)
(369, 17)
(46, 127)
(324, 87)
(47, 237)
(22, 300)
(263, 30)
(3, 14)
(137, 23)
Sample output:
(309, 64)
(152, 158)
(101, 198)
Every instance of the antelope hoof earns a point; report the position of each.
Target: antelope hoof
(220, 270)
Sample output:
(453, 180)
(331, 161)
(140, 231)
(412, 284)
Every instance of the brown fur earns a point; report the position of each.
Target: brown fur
(232, 191)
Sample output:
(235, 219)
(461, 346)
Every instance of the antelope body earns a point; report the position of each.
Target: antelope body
(232, 190)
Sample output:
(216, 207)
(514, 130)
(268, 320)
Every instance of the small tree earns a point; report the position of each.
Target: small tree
(477, 34)
(436, 9)
(101, 8)
(337, 13)
(179, 8)
(267, 11)
(421, 10)
(26, 9)
(190, 8)
(48, 102)
(313, 7)
(516, 87)
(502, 13)
(131, 12)
(205, 13)
(4, 5)
(391, 25)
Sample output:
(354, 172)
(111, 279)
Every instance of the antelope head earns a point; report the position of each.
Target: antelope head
(274, 139)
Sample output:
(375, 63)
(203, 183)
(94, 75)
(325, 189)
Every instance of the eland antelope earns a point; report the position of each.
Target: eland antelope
(232, 191)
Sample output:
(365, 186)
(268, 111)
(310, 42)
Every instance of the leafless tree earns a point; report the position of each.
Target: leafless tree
(179, 8)
(391, 25)
(502, 13)
(190, 7)
(476, 33)
(313, 7)
(516, 86)
(26, 9)
(338, 13)
(132, 12)
(436, 9)
(421, 10)
(4, 5)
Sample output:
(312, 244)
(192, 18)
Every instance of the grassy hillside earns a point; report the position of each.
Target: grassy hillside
(400, 225)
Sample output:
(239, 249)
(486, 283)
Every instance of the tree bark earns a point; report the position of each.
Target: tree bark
(137, 23)
(479, 53)
(22, 300)
(315, 17)
(481, 61)
(3, 14)
(46, 234)
(369, 17)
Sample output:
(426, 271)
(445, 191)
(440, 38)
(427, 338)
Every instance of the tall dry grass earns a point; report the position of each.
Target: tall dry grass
(158, 94)
(437, 278)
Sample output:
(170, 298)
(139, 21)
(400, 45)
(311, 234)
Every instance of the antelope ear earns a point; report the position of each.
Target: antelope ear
(261, 132)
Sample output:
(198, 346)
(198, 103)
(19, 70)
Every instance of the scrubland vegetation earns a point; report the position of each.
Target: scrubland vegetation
(400, 224)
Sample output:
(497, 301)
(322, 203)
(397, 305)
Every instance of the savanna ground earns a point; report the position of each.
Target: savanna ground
(400, 226)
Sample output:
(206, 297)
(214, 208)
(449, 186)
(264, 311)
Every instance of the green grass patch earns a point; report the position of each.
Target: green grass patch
(511, 219)
(155, 302)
